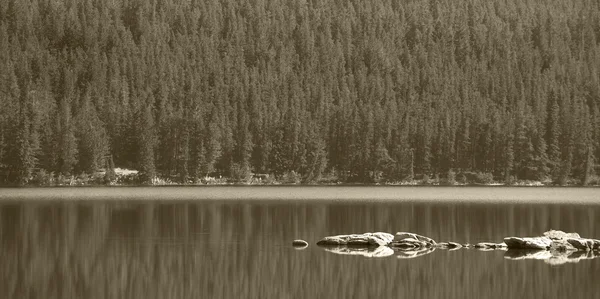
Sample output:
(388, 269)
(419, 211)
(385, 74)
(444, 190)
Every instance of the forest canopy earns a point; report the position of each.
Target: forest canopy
(367, 90)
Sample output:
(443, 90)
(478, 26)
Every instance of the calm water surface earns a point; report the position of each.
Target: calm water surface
(231, 242)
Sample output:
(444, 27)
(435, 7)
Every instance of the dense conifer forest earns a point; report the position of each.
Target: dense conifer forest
(365, 91)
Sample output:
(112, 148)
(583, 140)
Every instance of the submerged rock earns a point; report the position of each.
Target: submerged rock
(366, 239)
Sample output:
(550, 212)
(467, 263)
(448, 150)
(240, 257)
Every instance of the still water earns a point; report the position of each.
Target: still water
(232, 242)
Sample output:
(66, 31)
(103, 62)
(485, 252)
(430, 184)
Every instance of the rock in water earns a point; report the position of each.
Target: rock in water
(300, 243)
(366, 239)
(402, 236)
(411, 241)
(528, 243)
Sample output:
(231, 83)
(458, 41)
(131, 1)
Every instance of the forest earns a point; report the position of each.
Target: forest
(354, 90)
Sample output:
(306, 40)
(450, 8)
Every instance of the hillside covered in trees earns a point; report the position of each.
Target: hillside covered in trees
(365, 90)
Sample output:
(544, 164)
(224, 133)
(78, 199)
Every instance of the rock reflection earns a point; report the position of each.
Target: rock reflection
(551, 257)
(380, 251)
(411, 254)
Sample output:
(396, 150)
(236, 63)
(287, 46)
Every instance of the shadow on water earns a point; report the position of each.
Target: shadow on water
(242, 249)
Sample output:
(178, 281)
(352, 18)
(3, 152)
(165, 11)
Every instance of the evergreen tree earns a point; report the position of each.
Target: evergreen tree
(146, 145)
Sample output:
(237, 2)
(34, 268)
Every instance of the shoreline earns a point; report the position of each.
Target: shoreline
(499, 186)
(326, 194)
(524, 184)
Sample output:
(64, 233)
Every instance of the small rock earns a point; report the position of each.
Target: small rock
(528, 243)
(299, 243)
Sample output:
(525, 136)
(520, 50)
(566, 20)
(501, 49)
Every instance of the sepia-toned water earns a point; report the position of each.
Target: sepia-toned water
(235, 242)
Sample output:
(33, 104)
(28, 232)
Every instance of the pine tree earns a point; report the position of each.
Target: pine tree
(91, 138)
(509, 158)
(68, 143)
(553, 136)
(23, 160)
(146, 145)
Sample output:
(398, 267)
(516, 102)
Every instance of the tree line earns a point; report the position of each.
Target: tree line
(366, 90)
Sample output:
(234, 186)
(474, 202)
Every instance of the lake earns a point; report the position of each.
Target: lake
(235, 242)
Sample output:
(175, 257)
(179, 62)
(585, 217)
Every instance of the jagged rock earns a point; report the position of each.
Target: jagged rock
(366, 239)
(528, 243)
(380, 251)
(300, 243)
(559, 235)
(402, 236)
